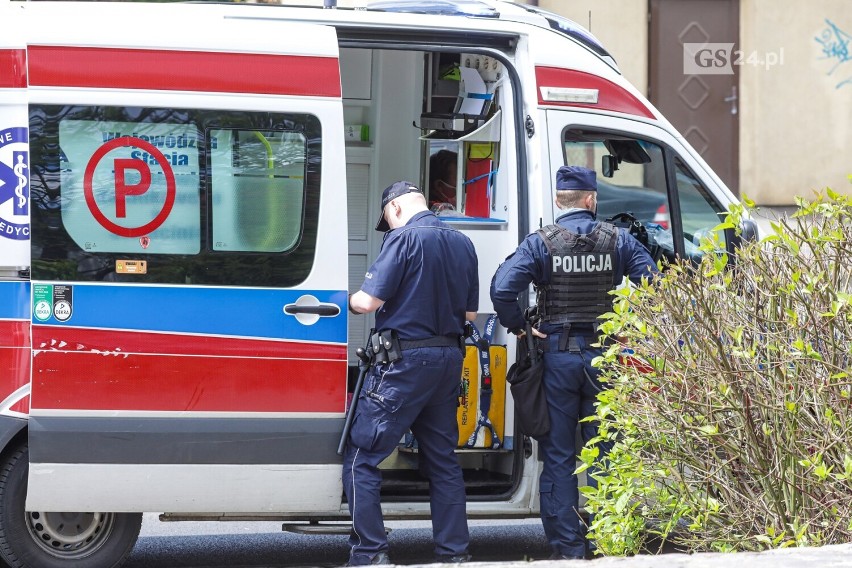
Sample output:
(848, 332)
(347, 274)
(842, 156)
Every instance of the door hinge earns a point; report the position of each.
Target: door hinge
(530, 126)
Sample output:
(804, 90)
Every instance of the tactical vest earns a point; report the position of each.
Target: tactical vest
(581, 275)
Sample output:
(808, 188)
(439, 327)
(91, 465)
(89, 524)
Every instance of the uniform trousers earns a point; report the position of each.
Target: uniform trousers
(571, 386)
(420, 392)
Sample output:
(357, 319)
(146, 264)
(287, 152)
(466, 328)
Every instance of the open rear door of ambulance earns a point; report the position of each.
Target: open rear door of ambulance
(189, 266)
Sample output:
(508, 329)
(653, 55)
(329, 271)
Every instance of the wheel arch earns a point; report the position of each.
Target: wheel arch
(13, 431)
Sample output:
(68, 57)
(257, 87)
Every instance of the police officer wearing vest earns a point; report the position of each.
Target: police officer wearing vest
(424, 284)
(573, 264)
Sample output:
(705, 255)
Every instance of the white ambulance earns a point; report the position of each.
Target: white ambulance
(187, 194)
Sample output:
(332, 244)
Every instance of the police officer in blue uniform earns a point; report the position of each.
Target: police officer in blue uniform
(424, 284)
(573, 264)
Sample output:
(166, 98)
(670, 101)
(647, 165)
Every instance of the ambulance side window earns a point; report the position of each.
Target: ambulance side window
(189, 196)
(130, 186)
(258, 190)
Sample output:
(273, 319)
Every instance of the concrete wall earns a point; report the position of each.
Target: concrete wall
(796, 121)
(622, 27)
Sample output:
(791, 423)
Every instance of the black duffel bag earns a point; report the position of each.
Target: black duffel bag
(525, 382)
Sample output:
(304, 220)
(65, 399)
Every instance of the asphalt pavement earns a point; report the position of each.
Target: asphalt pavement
(835, 556)
(503, 544)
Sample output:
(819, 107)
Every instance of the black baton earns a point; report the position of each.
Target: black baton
(363, 366)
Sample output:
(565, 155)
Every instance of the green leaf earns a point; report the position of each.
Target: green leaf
(723, 226)
(622, 502)
(822, 471)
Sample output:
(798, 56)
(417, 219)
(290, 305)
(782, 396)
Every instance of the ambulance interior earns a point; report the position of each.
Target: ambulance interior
(447, 111)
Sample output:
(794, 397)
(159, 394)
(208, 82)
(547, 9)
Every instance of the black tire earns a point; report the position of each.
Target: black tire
(57, 540)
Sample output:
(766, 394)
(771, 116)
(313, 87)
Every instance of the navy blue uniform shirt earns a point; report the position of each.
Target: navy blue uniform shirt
(531, 263)
(427, 276)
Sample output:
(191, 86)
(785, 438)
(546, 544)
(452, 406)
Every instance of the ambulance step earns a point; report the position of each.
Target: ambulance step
(406, 450)
(320, 528)
(317, 528)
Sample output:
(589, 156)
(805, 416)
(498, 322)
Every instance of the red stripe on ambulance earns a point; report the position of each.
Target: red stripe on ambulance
(85, 369)
(14, 356)
(170, 70)
(13, 69)
(22, 406)
(170, 383)
(610, 96)
(77, 340)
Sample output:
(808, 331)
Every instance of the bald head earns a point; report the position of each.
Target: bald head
(400, 209)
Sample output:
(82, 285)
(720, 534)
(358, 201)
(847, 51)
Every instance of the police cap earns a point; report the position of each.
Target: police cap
(390, 193)
(576, 177)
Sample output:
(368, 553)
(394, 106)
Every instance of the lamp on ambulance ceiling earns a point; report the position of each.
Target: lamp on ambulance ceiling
(569, 95)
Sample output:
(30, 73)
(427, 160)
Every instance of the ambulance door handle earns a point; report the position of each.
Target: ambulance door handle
(325, 310)
(308, 310)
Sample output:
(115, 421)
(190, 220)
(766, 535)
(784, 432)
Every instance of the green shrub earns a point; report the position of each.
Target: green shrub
(732, 421)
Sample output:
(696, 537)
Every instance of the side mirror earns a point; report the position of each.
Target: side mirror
(609, 165)
(749, 230)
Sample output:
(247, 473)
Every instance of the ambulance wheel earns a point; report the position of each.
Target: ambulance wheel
(36, 539)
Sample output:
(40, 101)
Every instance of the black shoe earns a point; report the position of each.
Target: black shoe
(380, 558)
(560, 556)
(456, 559)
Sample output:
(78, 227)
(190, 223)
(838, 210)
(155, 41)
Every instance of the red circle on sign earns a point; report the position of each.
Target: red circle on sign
(171, 189)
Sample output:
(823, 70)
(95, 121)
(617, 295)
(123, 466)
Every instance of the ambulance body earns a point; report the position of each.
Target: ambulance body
(187, 195)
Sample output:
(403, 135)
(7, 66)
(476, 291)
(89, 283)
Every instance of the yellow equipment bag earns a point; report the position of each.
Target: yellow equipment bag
(468, 411)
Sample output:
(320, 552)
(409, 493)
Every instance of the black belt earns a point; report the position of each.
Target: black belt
(571, 345)
(437, 341)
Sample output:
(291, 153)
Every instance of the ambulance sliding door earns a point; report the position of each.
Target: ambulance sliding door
(188, 265)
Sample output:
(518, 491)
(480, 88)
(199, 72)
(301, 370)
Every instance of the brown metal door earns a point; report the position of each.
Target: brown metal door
(698, 94)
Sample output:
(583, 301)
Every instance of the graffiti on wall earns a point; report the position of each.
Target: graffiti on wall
(834, 43)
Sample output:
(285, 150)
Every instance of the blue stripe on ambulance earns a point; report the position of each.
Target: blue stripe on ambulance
(240, 312)
(15, 300)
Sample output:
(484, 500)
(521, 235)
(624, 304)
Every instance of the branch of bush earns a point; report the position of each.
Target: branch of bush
(729, 402)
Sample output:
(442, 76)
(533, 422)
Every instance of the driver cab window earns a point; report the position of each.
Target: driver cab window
(631, 176)
(699, 213)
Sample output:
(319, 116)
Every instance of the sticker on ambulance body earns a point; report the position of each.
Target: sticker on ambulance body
(55, 300)
(129, 187)
(14, 184)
